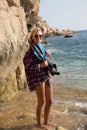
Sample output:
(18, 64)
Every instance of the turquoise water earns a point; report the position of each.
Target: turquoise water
(70, 55)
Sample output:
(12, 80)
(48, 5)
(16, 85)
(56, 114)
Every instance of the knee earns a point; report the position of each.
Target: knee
(49, 103)
(41, 103)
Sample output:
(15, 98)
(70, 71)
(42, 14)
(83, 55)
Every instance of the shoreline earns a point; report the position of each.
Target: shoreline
(71, 106)
(68, 92)
(20, 111)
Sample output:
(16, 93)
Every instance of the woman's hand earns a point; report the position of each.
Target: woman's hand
(48, 53)
(44, 64)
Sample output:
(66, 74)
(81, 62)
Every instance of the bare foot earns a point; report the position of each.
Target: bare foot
(42, 126)
(50, 124)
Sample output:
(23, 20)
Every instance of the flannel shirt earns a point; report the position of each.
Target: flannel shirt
(35, 75)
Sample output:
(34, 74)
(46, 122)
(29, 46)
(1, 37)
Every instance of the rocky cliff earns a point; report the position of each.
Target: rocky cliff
(50, 31)
(15, 15)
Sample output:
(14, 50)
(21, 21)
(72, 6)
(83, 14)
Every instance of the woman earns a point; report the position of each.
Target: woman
(38, 78)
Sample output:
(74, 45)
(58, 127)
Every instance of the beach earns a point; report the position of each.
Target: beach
(69, 110)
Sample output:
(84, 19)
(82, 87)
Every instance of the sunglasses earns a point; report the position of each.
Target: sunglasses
(36, 36)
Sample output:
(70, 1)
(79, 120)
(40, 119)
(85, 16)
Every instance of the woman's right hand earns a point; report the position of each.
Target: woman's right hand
(44, 64)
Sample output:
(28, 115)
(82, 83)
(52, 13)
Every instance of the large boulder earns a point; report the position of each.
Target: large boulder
(14, 43)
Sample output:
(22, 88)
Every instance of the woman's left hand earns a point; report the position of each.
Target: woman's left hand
(48, 53)
(44, 64)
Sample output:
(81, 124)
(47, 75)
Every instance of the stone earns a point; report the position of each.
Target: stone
(61, 128)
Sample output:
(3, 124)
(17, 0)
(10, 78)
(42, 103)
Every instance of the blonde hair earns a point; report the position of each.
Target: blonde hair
(34, 31)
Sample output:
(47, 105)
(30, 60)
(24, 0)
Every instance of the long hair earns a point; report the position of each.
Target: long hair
(34, 31)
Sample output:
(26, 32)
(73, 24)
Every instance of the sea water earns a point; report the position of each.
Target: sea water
(70, 55)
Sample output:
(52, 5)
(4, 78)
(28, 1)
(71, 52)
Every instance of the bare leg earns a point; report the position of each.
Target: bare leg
(40, 92)
(49, 98)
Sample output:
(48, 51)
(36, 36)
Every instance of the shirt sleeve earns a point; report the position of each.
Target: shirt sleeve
(31, 63)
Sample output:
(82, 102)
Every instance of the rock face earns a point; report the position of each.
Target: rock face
(31, 8)
(13, 43)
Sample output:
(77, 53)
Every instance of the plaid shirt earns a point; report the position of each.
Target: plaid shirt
(34, 74)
